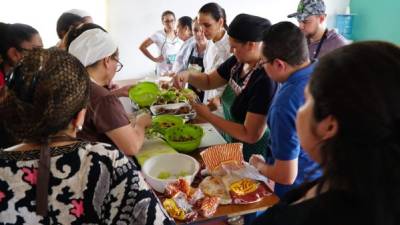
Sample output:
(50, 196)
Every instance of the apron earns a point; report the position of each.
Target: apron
(196, 63)
(228, 97)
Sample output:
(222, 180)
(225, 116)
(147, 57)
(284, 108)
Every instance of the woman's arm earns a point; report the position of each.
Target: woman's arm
(143, 47)
(199, 80)
(129, 139)
(250, 131)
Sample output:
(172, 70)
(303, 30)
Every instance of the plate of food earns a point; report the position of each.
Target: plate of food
(182, 109)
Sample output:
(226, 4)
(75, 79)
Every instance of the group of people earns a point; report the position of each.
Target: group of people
(315, 115)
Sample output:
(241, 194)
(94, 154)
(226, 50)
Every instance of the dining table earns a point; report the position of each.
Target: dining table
(212, 136)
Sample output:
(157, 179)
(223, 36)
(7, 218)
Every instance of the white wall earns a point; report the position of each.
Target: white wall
(131, 21)
(43, 14)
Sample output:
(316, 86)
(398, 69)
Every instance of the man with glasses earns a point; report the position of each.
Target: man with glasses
(312, 22)
(287, 62)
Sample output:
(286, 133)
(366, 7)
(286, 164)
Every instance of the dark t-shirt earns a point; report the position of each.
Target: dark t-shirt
(332, 208)
(104, 113)
(256, 97)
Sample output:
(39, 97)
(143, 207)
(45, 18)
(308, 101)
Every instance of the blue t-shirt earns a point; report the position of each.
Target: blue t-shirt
(284, 143)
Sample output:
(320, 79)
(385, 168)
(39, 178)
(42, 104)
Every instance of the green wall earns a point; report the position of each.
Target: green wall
(376, 20)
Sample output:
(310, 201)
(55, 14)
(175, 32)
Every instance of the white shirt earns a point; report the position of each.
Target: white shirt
(216, 53)
(168, 48)
(182, 58)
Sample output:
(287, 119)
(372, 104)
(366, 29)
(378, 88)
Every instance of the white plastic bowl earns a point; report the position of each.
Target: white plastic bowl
(171, 163)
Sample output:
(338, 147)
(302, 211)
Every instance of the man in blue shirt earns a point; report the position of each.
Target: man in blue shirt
(287, 61)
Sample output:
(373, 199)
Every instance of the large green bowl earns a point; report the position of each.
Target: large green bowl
(163, 122)
(177, 137)
(144, 93)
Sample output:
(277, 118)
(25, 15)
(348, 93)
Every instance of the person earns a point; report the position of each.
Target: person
(87, 18)
(190, 57)
(249, 91)
(65, 22)
(167, 42)
(287, 62)
(311, 16)
(353, 133)
(212, 18)
(106, 121)
(184, 28)
(52, 177)
(15, 40)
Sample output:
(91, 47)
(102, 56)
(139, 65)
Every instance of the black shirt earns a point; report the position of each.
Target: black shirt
(332, 207)
(256, 97)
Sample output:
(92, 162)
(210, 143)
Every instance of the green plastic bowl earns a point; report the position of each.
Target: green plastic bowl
(144, 93)
(177, 137)
(163, 122)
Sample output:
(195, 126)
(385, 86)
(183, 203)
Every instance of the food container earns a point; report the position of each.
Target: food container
(184, 138)
(174, 164)
(182, 109)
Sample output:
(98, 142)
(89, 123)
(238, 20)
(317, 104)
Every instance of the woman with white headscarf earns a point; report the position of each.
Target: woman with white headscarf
(105, 121)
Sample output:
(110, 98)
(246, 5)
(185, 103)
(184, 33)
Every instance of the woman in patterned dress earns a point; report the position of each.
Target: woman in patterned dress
(52, 177)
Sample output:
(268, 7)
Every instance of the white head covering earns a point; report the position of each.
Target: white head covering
(78, 12)
(92, 45)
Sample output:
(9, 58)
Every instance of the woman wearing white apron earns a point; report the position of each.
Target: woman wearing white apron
(191, 55)
(167, 42)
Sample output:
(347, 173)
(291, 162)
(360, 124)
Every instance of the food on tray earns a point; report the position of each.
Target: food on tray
(173, 210)
(209, 206)
(214, 187)
(179, 186)
(181, 110)
(164, 175)
(248, 191)
(229, 154)
(244, 186)
(172, 95)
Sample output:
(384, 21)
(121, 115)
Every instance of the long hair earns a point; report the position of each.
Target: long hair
(359, 85)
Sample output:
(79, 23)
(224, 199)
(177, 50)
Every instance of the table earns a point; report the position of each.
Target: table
(232, 210)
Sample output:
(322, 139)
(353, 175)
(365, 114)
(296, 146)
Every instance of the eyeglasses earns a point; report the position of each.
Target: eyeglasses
(119, 64)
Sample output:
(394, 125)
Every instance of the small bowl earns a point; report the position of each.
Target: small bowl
(169, 163)
(163, 122)
(176, 137)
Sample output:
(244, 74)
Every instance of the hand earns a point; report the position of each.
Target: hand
(201, 110)
(214, 103)
(159, 59)
(143, 120)
(257, 161)
(122, 92)
(180, 79)
(112, 86)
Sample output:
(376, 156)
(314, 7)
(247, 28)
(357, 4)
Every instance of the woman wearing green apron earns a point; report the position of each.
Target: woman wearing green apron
(249, 92)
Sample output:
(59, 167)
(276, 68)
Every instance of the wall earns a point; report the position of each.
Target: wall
(132, 21)
(43, 14)
(378, 20)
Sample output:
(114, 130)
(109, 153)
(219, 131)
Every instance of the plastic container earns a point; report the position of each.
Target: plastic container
(344, 24)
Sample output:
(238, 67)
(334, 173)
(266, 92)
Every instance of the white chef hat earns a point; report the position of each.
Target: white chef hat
(78, 12)
(92, 46)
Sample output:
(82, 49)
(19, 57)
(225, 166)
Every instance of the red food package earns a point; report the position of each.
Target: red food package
(209, 206)
(247, 191)
(181, 185)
